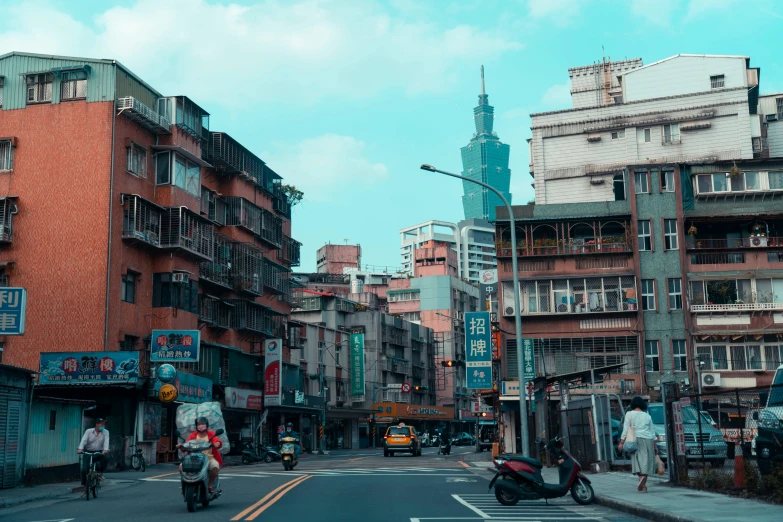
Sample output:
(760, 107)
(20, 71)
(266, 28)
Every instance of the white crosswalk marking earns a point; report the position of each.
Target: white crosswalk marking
(487, 506)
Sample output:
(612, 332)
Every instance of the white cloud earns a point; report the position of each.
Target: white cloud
(559, 12)
(656, 12)
(293, 53)
(558, 96)
(699, 7)
(323, 166)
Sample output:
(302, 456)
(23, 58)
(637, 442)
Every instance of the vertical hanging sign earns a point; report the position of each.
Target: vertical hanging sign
(357, 364)
(273, 366)
(478, 350)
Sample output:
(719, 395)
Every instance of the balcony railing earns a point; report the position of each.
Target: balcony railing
(280, 202)
(261, 222)
(229, 157)
(718, 259)
(218, 271)
(214, 312)
(272, 228)
(566, 247)
(736, 307)
(7, 211)
(182, 228)
(573, 296)
(308, 304)
(143, 115)
(696, 243)
(274, 276)
(290, 251)
(394, 335)
(141, 220)
(247, 269)
(256, 318)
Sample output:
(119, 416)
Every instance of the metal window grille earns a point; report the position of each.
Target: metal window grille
(219, 270)
(273, 276)
(39, 88)
(272, 228)
(229, 157)
(72, 87)
(6, 155)
(241, 212)
(778, 101)
(290, 251)
(247, 265)
(137, 161)
(717, 81)
(182, 228)
(717, 259)
(1, 91)
(141, 220)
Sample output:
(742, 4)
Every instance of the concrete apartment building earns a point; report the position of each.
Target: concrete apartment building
(396, 351)
(126, 213)
(472, 239)
(654, 239)
(334, 259)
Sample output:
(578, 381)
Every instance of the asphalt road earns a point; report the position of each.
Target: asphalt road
(357, 487)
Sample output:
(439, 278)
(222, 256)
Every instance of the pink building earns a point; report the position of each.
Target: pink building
(333, 259)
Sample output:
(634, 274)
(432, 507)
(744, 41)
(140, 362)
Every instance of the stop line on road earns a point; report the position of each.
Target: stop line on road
(487, 507)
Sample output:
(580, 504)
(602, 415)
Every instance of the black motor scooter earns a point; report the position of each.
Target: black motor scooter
(252, 453)
(520, 478)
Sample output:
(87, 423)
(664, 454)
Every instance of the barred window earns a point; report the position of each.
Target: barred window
(73, 85)
(39, 88)
(718, 81)
(6, 155)
(137, 161)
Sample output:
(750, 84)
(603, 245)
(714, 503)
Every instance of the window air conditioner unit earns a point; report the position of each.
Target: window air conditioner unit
(180, 278)
(710, 380)
(758, 241)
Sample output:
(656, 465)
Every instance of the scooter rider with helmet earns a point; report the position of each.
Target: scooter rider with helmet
(289, 432)
(203, 433)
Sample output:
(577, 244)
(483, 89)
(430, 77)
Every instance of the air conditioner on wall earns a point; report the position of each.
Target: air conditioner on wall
(710, 380)
(179, 278)
(758, 241)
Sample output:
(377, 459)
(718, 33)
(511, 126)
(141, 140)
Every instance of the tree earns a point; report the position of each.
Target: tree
(293, 194)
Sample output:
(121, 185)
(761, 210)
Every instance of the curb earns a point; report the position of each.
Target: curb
(44, 495)
(642, 511)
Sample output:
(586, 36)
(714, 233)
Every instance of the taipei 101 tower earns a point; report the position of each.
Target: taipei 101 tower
(484, 159)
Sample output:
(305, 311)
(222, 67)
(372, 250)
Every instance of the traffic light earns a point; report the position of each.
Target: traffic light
(420, 388)
(452, 364)
(481, 414)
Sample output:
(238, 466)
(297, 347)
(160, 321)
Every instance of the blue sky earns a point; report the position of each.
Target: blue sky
(346, 98)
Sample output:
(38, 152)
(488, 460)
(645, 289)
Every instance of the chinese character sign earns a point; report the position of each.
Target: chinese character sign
(528, 359)
(273, 366)
(679, 428)
(89, 367)
(478, 350)
(357, 364)
(13, 307)
(175, 345)
(190, 388)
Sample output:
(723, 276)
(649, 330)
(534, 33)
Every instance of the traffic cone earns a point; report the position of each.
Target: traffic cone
(739, 467)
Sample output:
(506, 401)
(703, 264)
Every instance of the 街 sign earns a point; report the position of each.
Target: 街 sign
(175, 346)
(478, 350)
(89, 367)
(357, 364)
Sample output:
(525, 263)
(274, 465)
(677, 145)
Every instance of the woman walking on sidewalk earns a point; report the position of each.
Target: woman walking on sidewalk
(640, 436)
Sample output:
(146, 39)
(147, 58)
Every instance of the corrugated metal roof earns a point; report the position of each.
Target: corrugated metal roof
(688, 56)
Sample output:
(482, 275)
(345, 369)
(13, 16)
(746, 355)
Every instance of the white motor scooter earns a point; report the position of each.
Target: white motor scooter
(194, 476)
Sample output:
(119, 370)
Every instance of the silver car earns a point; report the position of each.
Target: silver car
(700, 436)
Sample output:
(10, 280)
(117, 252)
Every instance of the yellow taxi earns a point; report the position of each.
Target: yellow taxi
(401, 439)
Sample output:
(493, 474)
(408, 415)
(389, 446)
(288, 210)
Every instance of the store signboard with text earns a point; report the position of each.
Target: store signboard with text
(478, 350)
(273, 365)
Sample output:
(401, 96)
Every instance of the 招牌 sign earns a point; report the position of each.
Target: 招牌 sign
(175, 345)
(478, 350)
(13, 308)
(528, 359)
(357, 364)
(190, 388)
(89, 367)
(244, 399)
(273, 363)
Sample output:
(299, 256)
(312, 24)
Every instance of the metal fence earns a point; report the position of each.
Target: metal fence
(731, 440)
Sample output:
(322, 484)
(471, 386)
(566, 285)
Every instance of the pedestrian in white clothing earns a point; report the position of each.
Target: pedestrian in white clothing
(95, 440)
(638, 428)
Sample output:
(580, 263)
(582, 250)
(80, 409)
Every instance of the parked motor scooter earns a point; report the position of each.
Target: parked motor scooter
(253, 453)
(194, 477)
(271, 453)
(520, 478)
(288, 452)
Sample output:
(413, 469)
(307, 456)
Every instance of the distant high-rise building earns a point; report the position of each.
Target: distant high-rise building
(332, 259)
(484, 159)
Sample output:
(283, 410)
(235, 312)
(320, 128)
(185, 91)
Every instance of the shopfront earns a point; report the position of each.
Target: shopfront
(302, 410)
(242, 413)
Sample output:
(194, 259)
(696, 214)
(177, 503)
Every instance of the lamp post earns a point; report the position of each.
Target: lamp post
(517, 308)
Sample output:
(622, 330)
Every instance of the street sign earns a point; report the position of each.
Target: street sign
(357, 364)
(406, 387)
(175, 345)
(394, 386)
(509, 388)
(528, 359)
(13, 310)
(478, 350)
(679, 428)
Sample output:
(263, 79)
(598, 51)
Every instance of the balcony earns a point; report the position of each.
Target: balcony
(735, 294)
(218, 271)
(275, 277)
(229, 157)
(8, 210)
(255, 318)
(191, 118)
(566, 239)
(395, 365)
(247, 269)
(134, 110)
(718, 259)
(214, 312)
(272, 228)
(183, 229)
(696, 243)
(737, 307)
(141, 220)
(259, 221)
(280, 202)
(592, 295)
(394, 335)
(290, 251)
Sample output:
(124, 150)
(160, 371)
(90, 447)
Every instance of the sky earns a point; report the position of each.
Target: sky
(347, 98)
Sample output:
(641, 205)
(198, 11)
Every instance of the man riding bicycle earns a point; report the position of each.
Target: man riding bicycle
(203, 433)
(289, 432)
(95, 440)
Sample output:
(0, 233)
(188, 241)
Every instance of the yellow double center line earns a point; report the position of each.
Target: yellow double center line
(277, 493)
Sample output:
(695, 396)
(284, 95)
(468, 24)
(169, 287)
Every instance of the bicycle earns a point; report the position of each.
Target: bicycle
(92, 480)
(137, 459)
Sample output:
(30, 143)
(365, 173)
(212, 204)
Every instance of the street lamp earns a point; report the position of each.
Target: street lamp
(517, 307)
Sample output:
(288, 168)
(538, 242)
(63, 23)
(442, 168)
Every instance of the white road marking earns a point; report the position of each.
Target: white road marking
(467, 505)
(489, 507)
(459, 479)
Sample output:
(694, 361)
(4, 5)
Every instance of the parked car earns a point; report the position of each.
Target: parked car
(700, 436)
(464, 439)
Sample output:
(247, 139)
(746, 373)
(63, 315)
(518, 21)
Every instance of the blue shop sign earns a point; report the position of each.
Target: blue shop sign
(13, 308)
(175, 345)
(190, 388)
(478, 350)
(89, 368)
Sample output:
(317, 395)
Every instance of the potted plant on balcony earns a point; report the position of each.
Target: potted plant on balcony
(734, 171)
